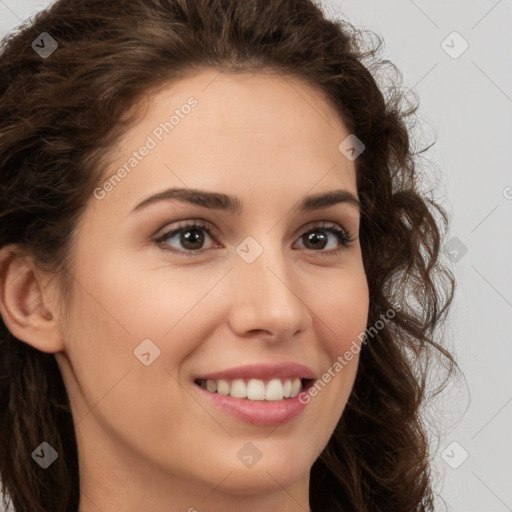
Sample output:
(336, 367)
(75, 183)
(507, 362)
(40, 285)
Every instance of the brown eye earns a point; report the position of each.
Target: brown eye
(186, 239)
(318, 238)
(192, 239)
(315, 240)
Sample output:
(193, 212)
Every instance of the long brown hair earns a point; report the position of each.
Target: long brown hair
(60, 114)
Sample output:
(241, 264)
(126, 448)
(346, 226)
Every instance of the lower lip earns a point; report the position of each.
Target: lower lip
(257, 412)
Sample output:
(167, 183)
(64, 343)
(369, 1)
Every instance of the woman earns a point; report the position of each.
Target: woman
(220, 283)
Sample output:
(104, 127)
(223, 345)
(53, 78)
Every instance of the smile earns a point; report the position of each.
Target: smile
(266, 404)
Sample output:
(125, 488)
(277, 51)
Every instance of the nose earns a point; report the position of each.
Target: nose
(267, 300)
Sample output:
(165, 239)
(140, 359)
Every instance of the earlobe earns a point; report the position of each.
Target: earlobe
(25, 306)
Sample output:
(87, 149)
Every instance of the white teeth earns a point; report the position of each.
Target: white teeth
(287, 388)
(222, 387)
(296, 385)
(256, 389)
(274, 390)
(238, 389)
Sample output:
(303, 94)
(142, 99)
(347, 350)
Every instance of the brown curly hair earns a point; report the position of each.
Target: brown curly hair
(60, 115)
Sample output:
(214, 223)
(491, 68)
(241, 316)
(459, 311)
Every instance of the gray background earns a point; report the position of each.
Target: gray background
(466, 105)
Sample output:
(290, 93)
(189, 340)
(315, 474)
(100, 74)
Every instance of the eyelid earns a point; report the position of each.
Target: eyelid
(322, 224)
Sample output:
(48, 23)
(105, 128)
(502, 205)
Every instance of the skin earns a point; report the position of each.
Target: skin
(147, 438)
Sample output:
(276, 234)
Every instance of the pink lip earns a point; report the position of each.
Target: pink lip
(257, 412)
(262, 371)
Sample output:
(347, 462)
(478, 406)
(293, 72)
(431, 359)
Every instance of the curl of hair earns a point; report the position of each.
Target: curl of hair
(60, 117)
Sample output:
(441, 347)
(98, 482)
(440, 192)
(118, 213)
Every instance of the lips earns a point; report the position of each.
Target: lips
(260, 394)
(258, 381)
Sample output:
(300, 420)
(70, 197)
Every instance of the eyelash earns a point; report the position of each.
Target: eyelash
(341, 234)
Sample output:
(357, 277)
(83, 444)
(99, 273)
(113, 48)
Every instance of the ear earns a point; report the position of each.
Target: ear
(28, 301)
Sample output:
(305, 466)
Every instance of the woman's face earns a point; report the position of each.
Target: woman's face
(269, 282)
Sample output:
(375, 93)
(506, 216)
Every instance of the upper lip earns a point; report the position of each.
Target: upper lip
(262, 371)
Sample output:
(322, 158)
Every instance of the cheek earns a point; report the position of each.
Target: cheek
(113, 317)
(130, 303)
(342, 311)
(343, 306)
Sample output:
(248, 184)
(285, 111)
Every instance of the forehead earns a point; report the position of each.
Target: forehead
(251, 132)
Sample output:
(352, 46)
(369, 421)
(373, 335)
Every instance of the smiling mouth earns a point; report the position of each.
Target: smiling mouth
(262, 402)
(256, 389)
(272, 390)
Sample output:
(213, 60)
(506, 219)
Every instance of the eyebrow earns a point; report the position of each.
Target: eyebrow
(232, 204)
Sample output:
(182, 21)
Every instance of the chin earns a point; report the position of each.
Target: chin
(264, 480)
(269, 474)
